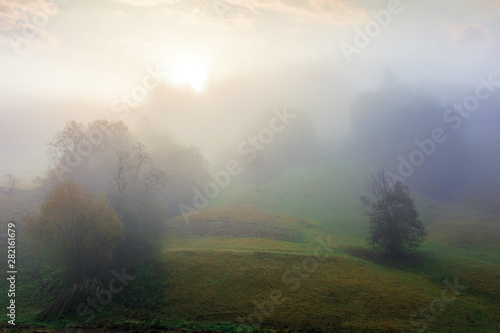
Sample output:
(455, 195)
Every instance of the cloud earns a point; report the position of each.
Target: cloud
(22, 23)
(337, 12)
(147, 3)
(243, 13)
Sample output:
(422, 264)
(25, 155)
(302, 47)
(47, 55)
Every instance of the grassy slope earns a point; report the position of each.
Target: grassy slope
(326, 192)
(215, 272)
(18, 204)
(345, 292)
(219, 278)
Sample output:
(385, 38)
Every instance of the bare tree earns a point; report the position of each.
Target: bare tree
(11, 182)
(135, 174)
(379, 186)
(134, 193)
(120, 181)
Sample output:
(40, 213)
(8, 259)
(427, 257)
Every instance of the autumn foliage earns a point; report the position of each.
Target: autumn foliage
(78, 229)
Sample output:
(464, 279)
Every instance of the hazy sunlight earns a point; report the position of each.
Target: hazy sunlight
(189, 70)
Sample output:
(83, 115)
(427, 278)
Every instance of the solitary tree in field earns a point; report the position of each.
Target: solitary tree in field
(394, 223)
(11, 182)
(79, 230)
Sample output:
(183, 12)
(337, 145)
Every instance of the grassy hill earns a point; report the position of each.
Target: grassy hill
(352, 290)
(292, 257)
(217, 275)
(18, 204)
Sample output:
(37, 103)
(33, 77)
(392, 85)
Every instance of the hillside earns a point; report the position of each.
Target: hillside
(293, 257)
(225, 276)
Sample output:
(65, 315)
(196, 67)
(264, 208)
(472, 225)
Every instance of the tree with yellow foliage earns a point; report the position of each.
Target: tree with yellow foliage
(80, 230)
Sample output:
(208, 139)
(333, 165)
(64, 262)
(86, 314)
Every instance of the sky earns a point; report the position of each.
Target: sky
(201, 69)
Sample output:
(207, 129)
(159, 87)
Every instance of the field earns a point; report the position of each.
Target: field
(293, 257)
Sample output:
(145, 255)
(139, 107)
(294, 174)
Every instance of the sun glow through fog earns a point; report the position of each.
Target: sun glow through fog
(188, 70)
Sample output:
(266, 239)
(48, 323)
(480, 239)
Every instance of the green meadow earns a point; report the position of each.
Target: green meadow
(292, 257)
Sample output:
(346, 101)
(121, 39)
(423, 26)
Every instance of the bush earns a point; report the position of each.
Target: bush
(79, 230)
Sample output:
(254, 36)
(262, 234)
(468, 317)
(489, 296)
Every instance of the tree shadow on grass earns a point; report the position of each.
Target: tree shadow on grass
(402, 261)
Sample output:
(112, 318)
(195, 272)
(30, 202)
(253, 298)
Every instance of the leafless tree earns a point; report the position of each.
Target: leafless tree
(11, 182)
(378, 187)
(133, 190)
(120, 177)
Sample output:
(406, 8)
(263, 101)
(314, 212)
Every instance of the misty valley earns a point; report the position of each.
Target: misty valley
(229, 166)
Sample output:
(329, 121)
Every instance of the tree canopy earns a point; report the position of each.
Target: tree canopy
(394, 222)
(78, 228)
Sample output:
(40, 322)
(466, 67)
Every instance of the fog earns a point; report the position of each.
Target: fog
(252, 165)
(210, 74)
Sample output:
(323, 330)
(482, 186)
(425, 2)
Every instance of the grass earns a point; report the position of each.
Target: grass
(321, 192)
(18, 204)
(342, 294)
(248, 247)
(239, 222)
(376, 296)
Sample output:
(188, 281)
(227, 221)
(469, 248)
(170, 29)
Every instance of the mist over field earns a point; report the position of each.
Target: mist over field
(210, 155)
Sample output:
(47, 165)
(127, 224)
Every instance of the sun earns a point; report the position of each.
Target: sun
(190, 70)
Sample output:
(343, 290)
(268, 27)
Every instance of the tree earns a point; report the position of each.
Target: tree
(134, 193)
(85, 152)
(106, 157)
(394, 222)
(11, 182)
(79, 230)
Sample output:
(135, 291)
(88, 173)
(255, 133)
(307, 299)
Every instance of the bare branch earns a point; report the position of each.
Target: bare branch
(11, 182)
